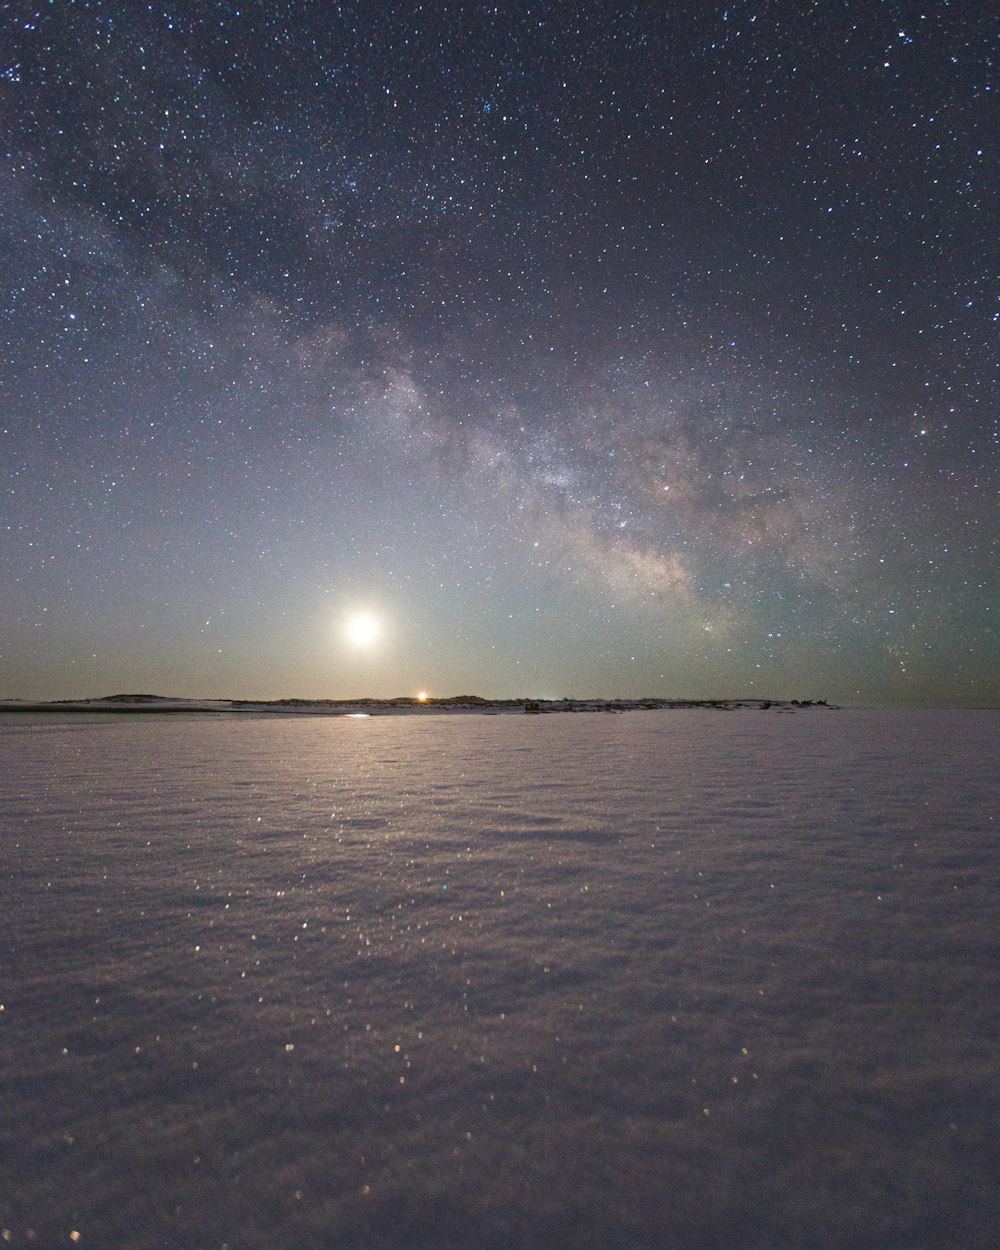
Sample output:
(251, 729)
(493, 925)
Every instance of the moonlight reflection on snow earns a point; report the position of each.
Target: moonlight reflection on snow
(652, 980)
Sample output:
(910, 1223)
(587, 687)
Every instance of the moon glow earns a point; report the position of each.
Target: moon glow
(363, 630)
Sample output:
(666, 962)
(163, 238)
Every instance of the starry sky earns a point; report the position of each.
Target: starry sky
(585, 349)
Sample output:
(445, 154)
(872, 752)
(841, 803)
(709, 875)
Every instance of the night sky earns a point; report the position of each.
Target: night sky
(585, 349)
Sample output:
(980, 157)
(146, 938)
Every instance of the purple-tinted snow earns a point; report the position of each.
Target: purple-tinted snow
(693, 979)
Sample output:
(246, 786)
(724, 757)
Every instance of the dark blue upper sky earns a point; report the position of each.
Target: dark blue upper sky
(597, 349)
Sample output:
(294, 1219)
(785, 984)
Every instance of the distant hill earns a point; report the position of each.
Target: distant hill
(134, 698)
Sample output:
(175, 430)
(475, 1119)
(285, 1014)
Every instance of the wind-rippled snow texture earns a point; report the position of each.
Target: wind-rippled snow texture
(664, 979)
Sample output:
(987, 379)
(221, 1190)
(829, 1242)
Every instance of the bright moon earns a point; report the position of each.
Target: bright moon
(363, 630)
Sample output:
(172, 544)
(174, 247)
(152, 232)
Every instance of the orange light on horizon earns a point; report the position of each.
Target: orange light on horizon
(422, 696)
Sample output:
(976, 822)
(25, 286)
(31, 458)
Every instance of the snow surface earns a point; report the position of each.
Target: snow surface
(674, 979)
